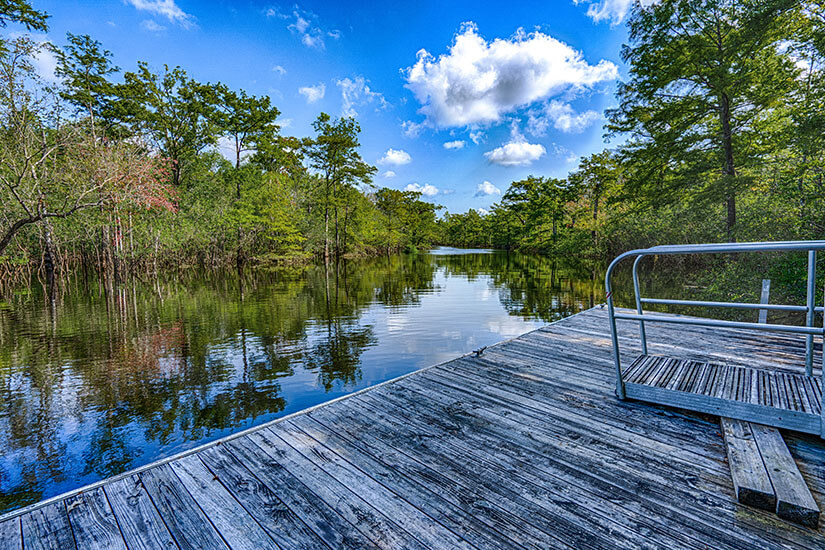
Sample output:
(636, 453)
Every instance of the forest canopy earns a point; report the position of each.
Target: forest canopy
(717, 134)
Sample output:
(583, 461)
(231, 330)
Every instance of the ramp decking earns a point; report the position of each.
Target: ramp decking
(786, 399)
(523, 447)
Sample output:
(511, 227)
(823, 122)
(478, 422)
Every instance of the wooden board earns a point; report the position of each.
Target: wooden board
(525, 446)
(750, 477)
(794, 501)
(10, 535)
(93, 523)
(139, 521)
(183, 517)
(47, 528)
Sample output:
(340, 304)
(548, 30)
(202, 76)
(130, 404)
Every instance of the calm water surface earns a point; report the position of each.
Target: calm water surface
(99, 383)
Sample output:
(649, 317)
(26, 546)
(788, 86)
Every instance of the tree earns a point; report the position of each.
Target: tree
(20, 11)
(171, 110)
(334, 156)
(596, 175)
(703, 76)
(49, 169)
(243, 118)
(539, 202)
(85, 67)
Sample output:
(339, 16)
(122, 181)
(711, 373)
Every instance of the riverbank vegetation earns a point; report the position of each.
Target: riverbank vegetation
(118, 171)
(719, 136)
(719, 132)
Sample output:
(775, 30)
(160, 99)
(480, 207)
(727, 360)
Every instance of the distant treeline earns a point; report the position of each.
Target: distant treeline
(113, 173)
(721, 132)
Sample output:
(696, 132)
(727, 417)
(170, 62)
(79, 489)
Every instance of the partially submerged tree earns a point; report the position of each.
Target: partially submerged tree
(334, 156)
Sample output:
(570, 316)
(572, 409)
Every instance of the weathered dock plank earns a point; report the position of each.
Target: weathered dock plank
(225, 513)
(794, 501)
(140, 523)
(524, 446)
(10, 535)
(185, 520)
(93, 523)
(47, 528)
(281, 523)
(750, 477)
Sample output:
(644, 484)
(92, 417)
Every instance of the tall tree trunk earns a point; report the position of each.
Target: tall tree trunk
(728, 169)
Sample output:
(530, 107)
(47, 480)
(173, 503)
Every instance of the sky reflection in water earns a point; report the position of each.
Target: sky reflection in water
(102, 383)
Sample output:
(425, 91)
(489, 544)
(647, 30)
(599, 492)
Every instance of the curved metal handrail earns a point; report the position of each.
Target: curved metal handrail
(715, 248)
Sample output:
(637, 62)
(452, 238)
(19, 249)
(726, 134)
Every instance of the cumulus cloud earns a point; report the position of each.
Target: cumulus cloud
(482, 211)
(313, 93)
(388, 174)
(304, 25)
(395, 157)
(517, 152)
(165, 8)
(457, 144)
(356, 92)
(562, 116)
(613, 10)
(427, 190)
(279, 70)
(485, 189)
(477, 137)
(477, 82)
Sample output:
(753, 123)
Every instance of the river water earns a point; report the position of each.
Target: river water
(100, 382)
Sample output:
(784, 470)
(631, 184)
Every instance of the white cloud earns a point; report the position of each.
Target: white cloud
(166, 8)
(478, 81)
(516, 153)
(613, 10)
(482, 211)
(388, 174)
(395, 157)
(411, 129)
(151, 26)
(43, 56)
(485, 189)
(304, 25)
(313, 93)
(477, 137)
(279, 70)
(426, 190)
(356, 92)
(562, 116)
(457, 144)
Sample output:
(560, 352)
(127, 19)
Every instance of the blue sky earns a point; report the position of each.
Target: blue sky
(512, 89)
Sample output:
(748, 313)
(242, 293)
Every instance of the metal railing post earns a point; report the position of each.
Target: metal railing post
(611, 315)
(642, 334)
(809, 320)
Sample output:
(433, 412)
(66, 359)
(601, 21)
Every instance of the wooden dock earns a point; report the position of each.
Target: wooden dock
(525, 446)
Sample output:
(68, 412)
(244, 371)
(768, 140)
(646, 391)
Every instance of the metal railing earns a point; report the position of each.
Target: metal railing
(809, 308)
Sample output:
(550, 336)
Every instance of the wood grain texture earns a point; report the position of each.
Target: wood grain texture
(232, 521)
(140, 523)
(794, 501)
(525, 446)
(183, 517)
(93, 523)
(750, 477)
(47, 528)
(10, 534)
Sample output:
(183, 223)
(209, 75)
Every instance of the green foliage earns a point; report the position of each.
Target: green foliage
(21, 11)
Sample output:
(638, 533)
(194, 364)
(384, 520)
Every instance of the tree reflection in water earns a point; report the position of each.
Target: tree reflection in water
(101, 379)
